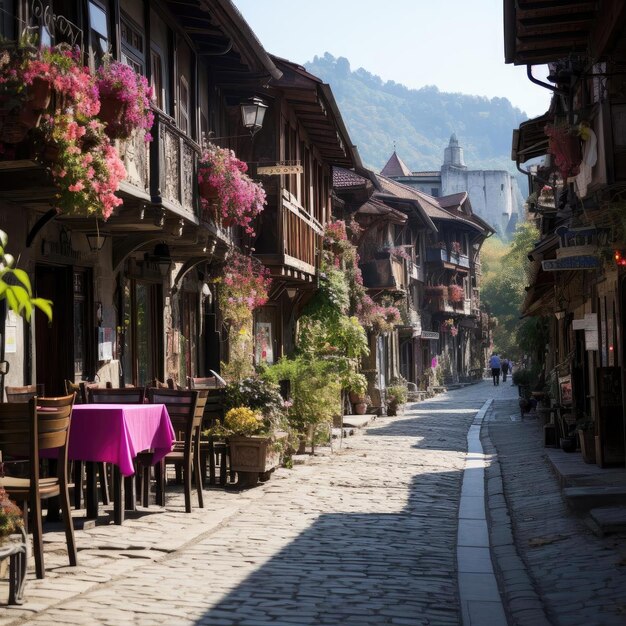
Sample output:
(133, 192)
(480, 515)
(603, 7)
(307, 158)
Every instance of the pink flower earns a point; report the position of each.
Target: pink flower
(76, 186)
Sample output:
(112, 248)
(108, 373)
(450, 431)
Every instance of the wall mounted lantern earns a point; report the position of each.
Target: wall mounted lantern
(96, 240)
(253, 113)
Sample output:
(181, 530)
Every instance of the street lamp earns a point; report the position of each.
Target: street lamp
(252, 114)
(96, 240)
(161, 258)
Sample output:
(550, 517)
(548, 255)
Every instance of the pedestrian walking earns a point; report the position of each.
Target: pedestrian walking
(505, 369)
(494, 364)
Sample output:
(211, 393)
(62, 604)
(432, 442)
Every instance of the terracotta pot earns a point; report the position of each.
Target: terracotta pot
(207, 190)
(39, 94)
(111, 113)
(360, 408)
(356, 398)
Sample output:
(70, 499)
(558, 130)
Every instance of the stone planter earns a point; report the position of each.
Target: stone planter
(15, 548)
(587, 441)
(253, 458)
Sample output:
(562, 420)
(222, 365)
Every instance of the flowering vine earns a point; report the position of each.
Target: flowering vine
(222, 179)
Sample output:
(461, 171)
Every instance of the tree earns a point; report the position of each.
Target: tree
(503, 293)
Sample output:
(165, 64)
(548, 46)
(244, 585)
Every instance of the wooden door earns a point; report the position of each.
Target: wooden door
(54, 342)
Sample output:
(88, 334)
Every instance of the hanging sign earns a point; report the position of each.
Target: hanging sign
(571, 263)
(277, 170)
(427, 334)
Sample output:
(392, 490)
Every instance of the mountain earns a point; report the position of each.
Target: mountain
(418, 121)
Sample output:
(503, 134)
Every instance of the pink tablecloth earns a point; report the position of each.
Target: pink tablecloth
(116, 433)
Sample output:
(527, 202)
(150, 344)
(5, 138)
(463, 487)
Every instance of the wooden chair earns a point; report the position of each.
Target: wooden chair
(125, 395)
(26, 429)
(24, 394)
(186, 409)
(81, 388)
(157, 384)
(208, 382)
(214, 453)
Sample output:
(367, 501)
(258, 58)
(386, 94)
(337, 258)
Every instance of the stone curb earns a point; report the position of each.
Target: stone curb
(521, 602)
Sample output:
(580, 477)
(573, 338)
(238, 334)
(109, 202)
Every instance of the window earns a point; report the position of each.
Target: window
(98, 29)
(7, 17)
(156, 80)
(132, 46)
(183, 109)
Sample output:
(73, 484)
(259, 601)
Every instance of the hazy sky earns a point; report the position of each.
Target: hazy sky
(456, 45)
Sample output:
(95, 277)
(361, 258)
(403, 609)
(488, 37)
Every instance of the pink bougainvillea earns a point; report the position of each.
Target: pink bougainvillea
(119, 81)
(238, 199)
(244, 287)
(380, 318)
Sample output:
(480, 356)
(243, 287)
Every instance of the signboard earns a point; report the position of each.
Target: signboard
(277, 170)
(427, 334)
(571, 263)
(589, 322)
(565, 390)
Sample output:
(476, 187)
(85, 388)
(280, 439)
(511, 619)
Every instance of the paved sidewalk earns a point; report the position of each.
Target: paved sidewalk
(557, 571)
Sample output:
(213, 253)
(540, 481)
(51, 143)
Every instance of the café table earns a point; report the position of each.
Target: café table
(116, 433)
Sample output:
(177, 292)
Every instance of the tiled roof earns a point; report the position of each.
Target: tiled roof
(433, 207)
(453, 200)
(376, 207)
(343, 178)
(395, 167)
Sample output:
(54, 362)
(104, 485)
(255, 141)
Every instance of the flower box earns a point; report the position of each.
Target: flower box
(254, 457)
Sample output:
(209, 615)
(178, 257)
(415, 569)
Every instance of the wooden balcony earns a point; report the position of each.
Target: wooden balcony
(387, 273)
(289, 237)
(436, 255)
(451, 260)
(173, 166)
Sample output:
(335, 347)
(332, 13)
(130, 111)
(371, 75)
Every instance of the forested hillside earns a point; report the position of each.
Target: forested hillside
(419, 121)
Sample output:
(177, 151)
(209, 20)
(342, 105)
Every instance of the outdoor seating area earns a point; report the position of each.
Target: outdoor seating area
(123, 440)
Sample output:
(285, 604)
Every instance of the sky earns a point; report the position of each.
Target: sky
(457, 45)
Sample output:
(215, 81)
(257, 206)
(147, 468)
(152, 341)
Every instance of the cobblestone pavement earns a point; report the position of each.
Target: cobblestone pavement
(365, 537)
(557, 568)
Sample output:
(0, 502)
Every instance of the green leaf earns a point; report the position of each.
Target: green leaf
(22, 276)
(12, 299)
(43, 305)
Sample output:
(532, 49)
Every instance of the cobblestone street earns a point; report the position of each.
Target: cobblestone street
(366, 537)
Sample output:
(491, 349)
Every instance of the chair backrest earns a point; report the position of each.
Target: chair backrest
(38, 424)
(53, 420)
(214, 407)
(182, 408)
(126, 395)
(24, 394)
(80, 389)
(209, 382)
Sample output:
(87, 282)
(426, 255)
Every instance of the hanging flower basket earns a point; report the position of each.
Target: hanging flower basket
(111, 113)
(239, 199)
(456, 293)
(564, 145)
(207, 190)
(39, 93)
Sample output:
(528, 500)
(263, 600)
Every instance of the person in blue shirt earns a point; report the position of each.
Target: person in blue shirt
(494, 364)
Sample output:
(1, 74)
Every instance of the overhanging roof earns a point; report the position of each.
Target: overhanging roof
(315, 107)
(539, 31)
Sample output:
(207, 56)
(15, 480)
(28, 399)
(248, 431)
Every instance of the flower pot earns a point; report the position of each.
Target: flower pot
(360, 408)
(39, 94)
(392, 409)
(207, 190)
(111, 114)
(356, 398)
(50, 153)
(251, 456)
(567, 444)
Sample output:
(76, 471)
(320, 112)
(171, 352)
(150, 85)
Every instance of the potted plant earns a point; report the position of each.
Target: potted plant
(395, 395)
(124, 100)
(13, 546)
(222, 179)
(255, 446)
(356, 384)
(456, 293)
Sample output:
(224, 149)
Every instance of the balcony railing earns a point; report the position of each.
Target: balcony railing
(173, 165)
(387, 273)
(292, 248)
(436, 254)
(462, 260)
